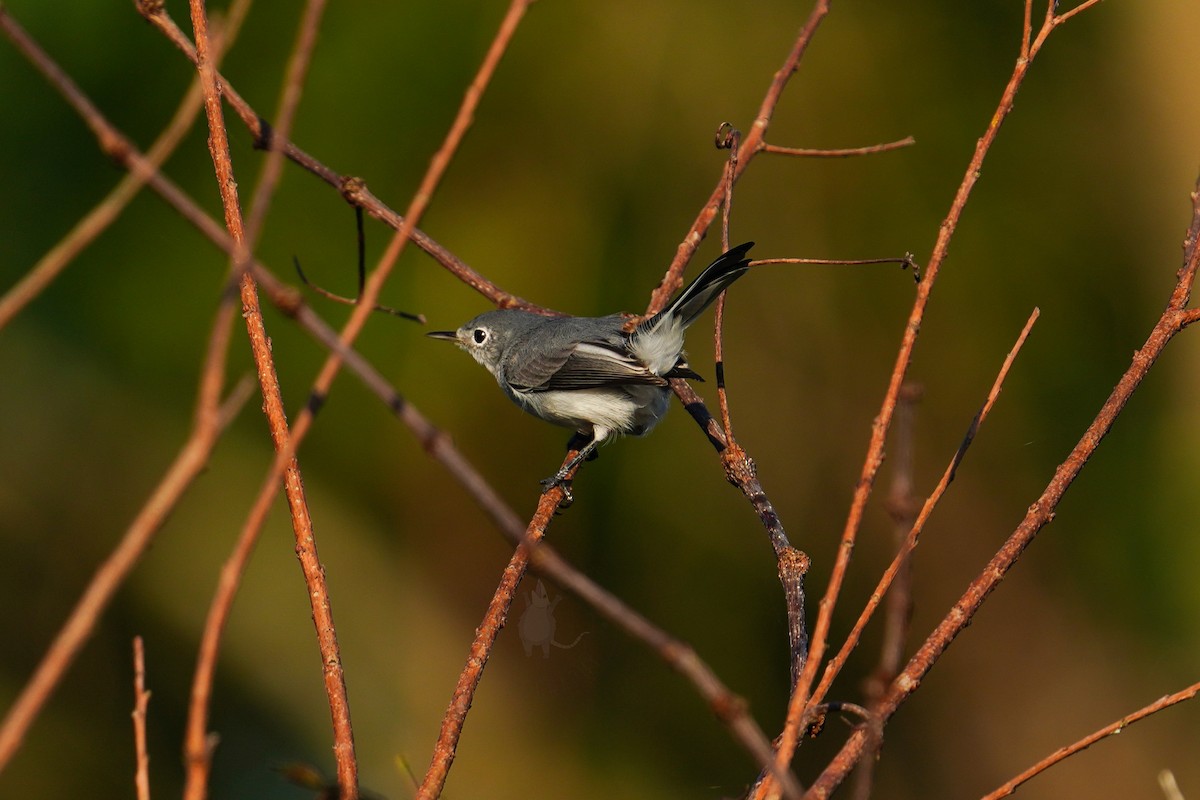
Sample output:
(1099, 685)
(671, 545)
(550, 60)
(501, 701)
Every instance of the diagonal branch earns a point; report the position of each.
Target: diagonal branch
(749, 147)
(353, 189)
(108, 209)
(1173, 320)
(882, 424)
(1112, 729)
(834, 667)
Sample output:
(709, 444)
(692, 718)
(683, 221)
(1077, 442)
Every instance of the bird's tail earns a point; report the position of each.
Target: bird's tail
(658, 341)
(700, 293)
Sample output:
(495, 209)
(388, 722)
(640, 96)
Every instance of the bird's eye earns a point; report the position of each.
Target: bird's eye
(480, 335)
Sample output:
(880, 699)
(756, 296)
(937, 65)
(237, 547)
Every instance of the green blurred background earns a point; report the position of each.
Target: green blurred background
(591, 154)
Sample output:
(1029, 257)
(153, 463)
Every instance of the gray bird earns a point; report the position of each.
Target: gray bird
(588, 373)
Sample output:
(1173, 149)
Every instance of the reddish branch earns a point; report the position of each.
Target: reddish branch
(800, 708)
(196, 748)
(842, 152)
(1108, 730)
(353, 189)
(902, 507)
(210, 419)
(141, 699)
(750, 145)
(198, 745)
(1173, 320)
(481, 648)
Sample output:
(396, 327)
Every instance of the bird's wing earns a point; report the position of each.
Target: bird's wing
(585, 365)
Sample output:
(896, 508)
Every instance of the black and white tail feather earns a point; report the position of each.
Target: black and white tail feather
(587, 373)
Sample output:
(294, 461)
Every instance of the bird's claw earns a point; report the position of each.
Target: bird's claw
(562, 483)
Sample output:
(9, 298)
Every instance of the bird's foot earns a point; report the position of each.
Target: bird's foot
(559, 480)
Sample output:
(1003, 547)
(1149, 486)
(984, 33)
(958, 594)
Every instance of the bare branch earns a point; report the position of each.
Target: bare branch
(673, 278)
(1112, 729)
(879, 431)
(354, 190)
(141, 698)
(1040, 512)
(107, 210)
(198, 746)
(843, 152)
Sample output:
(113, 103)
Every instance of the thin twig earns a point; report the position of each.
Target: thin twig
(353, 301)
(285, 115)
(1112, 729)
(905, 261)
(141, 701)
(728, 137)
(914, 533)
(843, 152)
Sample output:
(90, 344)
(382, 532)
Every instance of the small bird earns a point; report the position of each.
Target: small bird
(588, 373)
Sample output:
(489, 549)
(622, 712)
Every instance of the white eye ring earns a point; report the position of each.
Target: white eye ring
(480, 335)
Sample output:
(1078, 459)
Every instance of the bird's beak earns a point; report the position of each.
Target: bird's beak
(449, 336)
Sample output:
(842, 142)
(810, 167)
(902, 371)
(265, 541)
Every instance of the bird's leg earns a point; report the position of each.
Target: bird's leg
(560, 478)
(578, 441)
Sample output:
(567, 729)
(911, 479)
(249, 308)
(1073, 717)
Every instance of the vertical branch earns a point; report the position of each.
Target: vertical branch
(197, 752)
(728, 138)
(739, 467)
(289, 101)
(141, 699)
